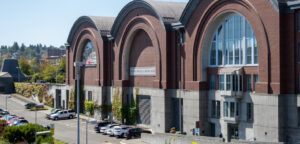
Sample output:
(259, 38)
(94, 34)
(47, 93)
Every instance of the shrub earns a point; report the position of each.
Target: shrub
(33, 109)
(26, 133)
(2, 126)
(43, 140)
(89, 106)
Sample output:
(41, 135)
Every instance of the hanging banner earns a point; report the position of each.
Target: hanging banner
(142, 71)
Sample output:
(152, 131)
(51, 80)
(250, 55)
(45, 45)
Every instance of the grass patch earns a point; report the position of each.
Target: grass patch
(38, 109)
(56, 141)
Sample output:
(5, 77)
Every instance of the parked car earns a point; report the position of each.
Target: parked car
(104, 129)
(20, 122)
(30, 105)
(3, 113)
(99, 125)
(8, 117)
(110, 131)
(64, 114)
(53, 112)
(133, 133)
(120, 131)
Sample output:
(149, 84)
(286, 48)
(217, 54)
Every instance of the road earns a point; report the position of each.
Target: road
(65, 130)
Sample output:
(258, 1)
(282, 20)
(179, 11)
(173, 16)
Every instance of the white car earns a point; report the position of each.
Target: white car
(112, 130)
(120, 131)
(63, 115)
(105, 129)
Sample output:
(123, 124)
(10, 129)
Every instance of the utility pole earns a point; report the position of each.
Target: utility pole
(78, 65)
(35, 124)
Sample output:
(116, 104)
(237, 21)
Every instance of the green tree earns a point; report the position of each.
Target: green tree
(25, 66)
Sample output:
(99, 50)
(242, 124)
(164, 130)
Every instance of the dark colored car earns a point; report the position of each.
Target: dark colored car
(30, 105)
(99, 125)
(3, 113)
(133, 133)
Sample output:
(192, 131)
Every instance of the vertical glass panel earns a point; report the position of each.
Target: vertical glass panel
(225, 109)
(232, 113)
(255, 52)
(213, 54)
(220, 52)
(249, 51)
(237, 52)
(230, 28)
(248, 30)
(221, 82)
(230, 50)
(237, 26)
(228, 82)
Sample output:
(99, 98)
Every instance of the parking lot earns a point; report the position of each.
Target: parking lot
(65, 130)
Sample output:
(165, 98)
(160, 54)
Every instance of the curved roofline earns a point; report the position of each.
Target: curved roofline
(130, 7)
(77, 24)
(193, 4)
(188, 11)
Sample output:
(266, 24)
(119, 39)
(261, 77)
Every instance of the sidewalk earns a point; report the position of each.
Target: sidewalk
(133, 141)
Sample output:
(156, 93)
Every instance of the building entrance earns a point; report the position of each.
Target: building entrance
(233, 131)
(144, 109)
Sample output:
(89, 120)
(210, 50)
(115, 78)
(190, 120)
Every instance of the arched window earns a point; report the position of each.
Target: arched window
(234, 43)
(89, 54)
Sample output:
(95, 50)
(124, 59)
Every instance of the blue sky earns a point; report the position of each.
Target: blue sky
(49, 21)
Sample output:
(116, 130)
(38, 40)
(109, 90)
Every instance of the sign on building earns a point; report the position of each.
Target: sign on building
(142, 71)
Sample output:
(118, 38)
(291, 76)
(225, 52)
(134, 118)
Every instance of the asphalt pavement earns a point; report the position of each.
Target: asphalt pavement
(65, 130)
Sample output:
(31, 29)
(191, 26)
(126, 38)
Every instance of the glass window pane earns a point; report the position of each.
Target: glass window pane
(232, 113)
(230, 49)
(237, 52)
(230, 28)
(248, 30)
(228, 82)
(220, 52)
(225, 109)
(255, 52)
(249, 51)
(221, 82)
(213, 54)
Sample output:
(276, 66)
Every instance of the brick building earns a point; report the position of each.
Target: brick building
(227, 67)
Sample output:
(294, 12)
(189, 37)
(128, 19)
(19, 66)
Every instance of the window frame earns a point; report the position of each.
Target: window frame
(229, 39)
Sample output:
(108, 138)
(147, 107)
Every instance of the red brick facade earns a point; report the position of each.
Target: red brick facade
(142, 39)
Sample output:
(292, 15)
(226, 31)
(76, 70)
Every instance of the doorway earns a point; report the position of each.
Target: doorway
(233, 131)
(212, 129)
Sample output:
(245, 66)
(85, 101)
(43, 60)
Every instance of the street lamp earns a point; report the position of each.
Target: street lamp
(35, 123)
(78, 65)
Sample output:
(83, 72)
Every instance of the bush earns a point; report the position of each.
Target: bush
(43, 140)
(23, 133)
(89, 106)
(33, 109)
(2, 126)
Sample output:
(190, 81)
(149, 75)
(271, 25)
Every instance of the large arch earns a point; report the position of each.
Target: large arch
(206, 24)
(151, 17)
(88, 29)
